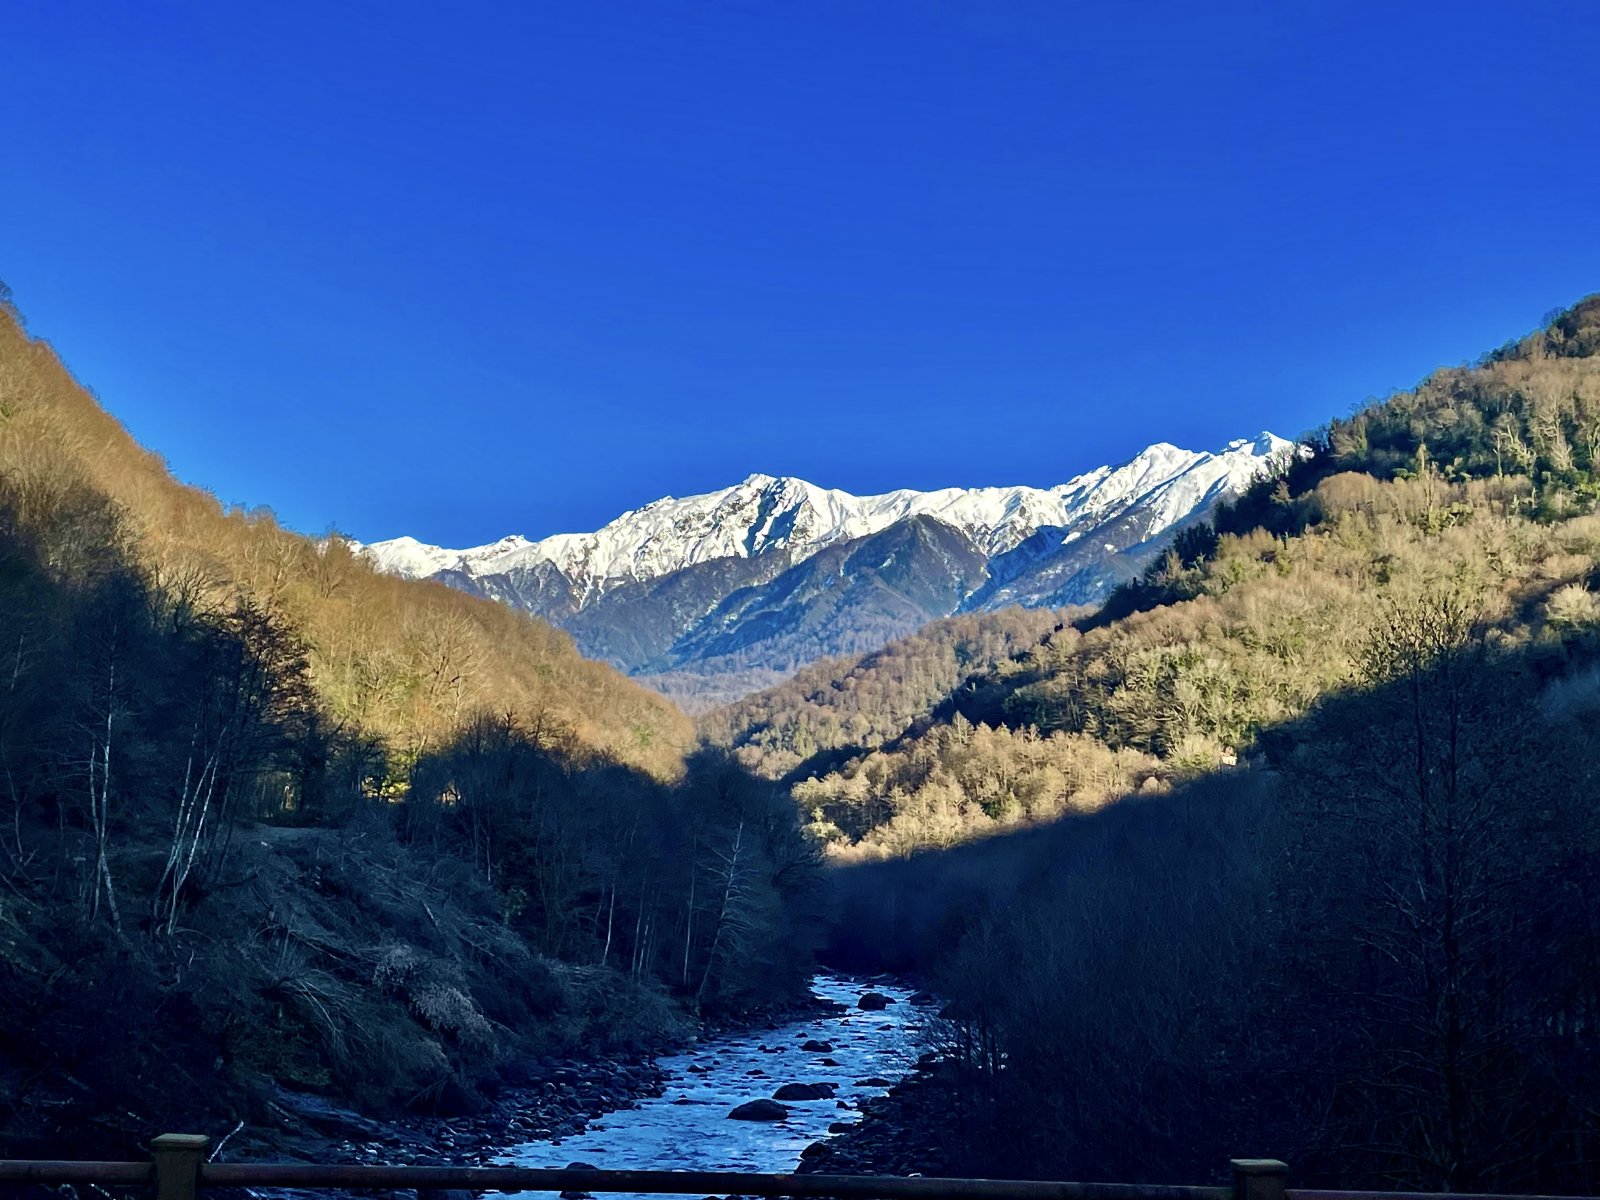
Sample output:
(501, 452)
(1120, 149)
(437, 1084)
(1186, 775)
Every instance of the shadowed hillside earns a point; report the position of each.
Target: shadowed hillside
(1371, 951)
(278, 830)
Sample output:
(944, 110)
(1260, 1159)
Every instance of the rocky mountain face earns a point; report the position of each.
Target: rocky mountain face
(727, 591)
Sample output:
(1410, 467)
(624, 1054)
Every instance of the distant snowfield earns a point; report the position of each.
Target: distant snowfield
(687, 1127)
(764, 513)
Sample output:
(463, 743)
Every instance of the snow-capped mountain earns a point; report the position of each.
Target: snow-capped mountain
(718, 582)
(765, 513)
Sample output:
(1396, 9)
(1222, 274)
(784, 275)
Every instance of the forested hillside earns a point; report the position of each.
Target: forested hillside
(1481, 475)
(1324, 871)
(397, 661)
(270, 819)
(1370, 953)
(836, 708)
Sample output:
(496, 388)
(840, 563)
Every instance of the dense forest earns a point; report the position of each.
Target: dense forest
(270, 819)
(1321, 874)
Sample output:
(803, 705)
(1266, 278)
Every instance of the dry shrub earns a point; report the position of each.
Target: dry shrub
(431, 990)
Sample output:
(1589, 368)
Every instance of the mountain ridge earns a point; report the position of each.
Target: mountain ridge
(996, 516)
(729, 583)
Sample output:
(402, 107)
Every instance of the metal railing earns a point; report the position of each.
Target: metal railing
(178, 1170)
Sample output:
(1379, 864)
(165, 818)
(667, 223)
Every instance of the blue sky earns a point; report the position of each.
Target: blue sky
(462, 270)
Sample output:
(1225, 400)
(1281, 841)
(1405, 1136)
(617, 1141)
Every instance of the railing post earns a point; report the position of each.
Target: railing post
(178, 1157)
(1259, 1179)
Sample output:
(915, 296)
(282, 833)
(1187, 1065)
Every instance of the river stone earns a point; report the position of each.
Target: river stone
(816, 1150)
(873, 1002)
(816, 1047)
(874, 1081)
(759, 1110)
(804, 1091)
(924, 1000)
(841, 1126)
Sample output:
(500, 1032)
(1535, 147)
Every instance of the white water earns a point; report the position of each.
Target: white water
(687, 1127)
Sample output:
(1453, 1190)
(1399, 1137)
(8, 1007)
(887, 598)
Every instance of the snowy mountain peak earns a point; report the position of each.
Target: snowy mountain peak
(1264, 443)
(1162, 485)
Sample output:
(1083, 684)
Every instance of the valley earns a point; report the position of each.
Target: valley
(308, 851)
(848, 600)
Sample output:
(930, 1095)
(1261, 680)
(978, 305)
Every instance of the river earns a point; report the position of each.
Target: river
(687, 1127)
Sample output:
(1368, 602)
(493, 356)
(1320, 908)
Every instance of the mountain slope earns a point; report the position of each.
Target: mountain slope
(397, 660)
(835, 709)
(1339, 745)
(708, 585)
(1475, 491)
(847, 598)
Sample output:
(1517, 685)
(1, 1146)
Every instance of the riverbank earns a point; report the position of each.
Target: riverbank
(541, 1103)
(916, 1128)
(555, 1099)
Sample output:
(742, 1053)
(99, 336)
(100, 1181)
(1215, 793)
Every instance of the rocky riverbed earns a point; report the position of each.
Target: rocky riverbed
(798, 1085)
(550, 1099)
(815, 1075)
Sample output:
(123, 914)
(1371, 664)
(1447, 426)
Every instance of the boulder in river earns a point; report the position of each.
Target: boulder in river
(759, 1110)
(924, 1000)
(804, 1091)
(816, 1150)
(828, 1062)
(874, 1081)
(816, 1047)
(873, 1002)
